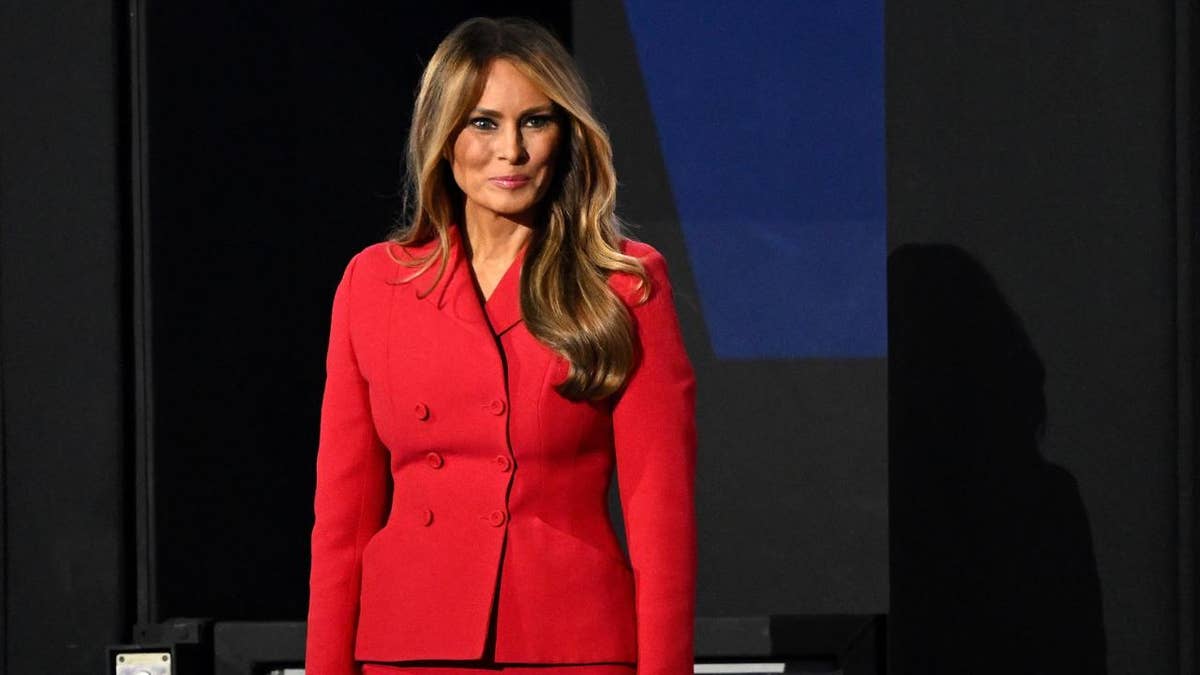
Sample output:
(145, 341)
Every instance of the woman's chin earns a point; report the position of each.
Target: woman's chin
(514, 210)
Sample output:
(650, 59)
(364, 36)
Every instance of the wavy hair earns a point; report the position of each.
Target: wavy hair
(566, 301)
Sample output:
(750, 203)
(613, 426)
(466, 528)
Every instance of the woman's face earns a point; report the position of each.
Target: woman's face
(503, 158)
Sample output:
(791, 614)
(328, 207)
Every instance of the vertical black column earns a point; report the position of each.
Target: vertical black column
(1187, 122)
(62, 336)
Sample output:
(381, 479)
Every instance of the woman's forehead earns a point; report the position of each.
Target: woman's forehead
(507, 89)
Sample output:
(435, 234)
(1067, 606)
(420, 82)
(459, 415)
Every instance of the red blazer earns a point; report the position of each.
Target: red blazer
(451, 476)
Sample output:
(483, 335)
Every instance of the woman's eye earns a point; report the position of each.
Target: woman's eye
(539, 121)
(482, 123)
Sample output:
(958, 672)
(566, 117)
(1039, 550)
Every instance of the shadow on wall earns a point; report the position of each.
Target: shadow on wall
(992, 563)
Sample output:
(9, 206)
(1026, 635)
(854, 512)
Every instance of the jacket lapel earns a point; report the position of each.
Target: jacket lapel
(504, 305)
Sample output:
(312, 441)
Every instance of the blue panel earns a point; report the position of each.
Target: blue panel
(771, 121)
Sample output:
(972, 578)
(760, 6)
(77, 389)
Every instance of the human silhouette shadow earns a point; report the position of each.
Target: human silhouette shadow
(992, 566)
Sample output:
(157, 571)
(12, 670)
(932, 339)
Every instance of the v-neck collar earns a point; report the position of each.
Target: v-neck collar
(502, 309)
(503, 306)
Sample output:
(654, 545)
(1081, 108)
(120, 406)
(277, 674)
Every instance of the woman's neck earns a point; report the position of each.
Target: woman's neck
(494, 239)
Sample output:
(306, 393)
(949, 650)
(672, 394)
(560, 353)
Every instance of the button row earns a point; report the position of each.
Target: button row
(496, 518)
(496, 406)
(436, 461)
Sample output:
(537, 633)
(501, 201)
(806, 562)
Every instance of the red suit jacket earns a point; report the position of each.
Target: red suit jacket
(451, 476)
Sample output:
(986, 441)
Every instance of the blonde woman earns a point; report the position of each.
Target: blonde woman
(488, 366)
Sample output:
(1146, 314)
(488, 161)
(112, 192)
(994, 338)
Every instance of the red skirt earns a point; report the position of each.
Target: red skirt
(502, 669)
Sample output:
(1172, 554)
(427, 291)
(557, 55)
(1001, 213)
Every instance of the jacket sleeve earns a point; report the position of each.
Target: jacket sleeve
(654, 434)
(349, 506)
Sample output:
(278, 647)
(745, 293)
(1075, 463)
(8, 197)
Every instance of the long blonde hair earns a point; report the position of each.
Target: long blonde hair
(566, 301)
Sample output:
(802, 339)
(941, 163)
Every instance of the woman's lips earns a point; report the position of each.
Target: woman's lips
(509, 182)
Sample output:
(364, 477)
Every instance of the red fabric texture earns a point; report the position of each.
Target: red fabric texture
(452, 476)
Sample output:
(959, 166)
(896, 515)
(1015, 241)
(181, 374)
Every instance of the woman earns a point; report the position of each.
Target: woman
(487, 367)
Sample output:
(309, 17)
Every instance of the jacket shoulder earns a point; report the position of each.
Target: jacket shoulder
(627, 286)
(380, 261)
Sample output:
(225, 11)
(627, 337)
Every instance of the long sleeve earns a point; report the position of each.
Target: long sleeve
(655, 442)
(349, 506)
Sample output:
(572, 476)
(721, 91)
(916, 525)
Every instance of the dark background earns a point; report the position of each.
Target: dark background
(1052, 143)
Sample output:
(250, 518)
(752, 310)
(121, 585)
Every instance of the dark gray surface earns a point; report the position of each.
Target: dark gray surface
(62, 353)
(1039, 138)
(248, 647)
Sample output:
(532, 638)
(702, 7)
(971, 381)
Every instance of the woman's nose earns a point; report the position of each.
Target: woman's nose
(512, 147)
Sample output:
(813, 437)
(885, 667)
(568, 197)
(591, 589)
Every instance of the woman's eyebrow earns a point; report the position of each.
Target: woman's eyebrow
(549, 107)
